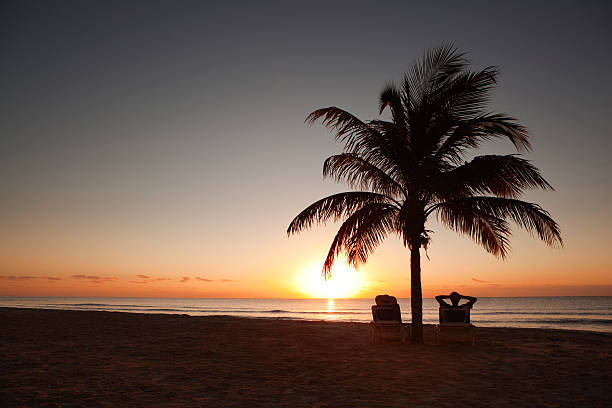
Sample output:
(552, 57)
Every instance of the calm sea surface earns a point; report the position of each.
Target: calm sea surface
(576, 313)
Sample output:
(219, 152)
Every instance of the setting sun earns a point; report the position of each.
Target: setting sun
(344, 282)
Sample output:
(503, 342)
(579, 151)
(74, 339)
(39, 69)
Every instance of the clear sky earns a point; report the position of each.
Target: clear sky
(155, 148)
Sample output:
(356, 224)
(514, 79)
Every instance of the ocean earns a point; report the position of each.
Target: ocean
(593, 313)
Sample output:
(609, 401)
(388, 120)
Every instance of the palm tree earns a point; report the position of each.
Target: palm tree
(412, 168)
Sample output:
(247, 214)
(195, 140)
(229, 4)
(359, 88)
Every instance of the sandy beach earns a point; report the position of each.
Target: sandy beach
(90, 359)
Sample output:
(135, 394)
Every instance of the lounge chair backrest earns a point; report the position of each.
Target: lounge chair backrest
(385, 300)
(387, 313)
(454, 315)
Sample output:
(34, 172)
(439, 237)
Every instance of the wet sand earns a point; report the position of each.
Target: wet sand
(106, 359)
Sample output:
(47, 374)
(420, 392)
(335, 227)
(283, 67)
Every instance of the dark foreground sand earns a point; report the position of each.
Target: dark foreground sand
(102, 359)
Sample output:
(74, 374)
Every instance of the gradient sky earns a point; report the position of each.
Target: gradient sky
(157, 148)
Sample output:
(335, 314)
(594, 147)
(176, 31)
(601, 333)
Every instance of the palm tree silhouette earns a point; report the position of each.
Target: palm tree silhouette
(412, 168)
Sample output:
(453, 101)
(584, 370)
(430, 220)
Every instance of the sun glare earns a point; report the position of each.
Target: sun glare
(345, 281)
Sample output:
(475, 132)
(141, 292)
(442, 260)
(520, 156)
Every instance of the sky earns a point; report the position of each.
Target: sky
(158, 148)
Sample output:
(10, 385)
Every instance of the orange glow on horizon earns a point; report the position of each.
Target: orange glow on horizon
(296, 275)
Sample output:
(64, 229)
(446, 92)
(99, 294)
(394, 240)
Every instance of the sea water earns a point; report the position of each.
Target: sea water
(592, 313)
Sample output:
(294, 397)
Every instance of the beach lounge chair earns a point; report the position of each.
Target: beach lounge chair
(455, 322)
(387, 320)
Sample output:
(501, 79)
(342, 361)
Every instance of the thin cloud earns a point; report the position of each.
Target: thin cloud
(203, 279)
(103, 280)
(226, 280)
(148, 279)
(93, 278)
(184, 279)
(18, 278)
(487, 283)
(27, 277)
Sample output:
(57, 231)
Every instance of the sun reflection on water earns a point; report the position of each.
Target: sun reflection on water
(331, 309)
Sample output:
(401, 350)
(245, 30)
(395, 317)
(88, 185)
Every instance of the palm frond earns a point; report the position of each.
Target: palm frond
(361, 233)
(471, 133)
(392, 97)
(467, 95)
(443, 63)
(348, 128)
(529, 216)
(361, 174)
(461, 98)
(381, 150)
(485, 229)
(400, 160)
(334, 207)
(437, 66)
(407, 98)
(501, 175)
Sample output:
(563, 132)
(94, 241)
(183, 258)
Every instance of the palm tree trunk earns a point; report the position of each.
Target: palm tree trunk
(416, 296)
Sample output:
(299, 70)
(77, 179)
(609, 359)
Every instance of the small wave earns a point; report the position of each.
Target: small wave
(575, 321)
(325, 311)
(109, 305)
(278, 311)
(82, 304)
(528, 313)
(578, 321)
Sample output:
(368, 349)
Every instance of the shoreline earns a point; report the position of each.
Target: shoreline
(280, 318)
(96, 358)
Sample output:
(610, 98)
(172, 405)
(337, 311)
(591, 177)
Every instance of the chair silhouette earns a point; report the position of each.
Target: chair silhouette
(455, 321)
(387, 320)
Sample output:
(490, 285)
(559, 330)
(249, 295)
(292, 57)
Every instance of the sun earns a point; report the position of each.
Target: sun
(345, 281)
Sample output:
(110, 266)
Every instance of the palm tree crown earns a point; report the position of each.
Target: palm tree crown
(412, 167)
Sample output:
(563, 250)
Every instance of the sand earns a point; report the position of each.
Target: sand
(107, 359)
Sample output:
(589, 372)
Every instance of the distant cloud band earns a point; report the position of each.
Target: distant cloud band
(26, 277)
